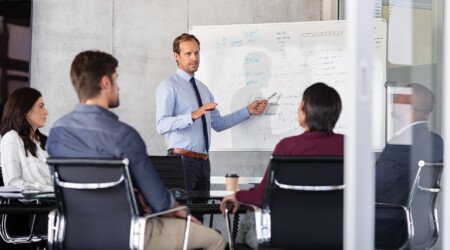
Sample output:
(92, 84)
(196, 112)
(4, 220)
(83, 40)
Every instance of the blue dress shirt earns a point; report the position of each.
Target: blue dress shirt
(91, 131)
(176, 100)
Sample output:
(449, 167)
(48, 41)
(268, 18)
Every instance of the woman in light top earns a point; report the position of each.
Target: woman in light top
(22, 145)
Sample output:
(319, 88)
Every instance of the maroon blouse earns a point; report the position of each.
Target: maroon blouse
(306, 144)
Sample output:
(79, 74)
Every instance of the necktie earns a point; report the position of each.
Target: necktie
(205, 131)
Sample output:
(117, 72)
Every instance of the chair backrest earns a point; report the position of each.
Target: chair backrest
(422, 205)
(95, 202)
(305, 198)
(170, 170)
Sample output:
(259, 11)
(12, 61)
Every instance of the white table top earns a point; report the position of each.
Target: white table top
(242, 180)
(24, 193)
(222, 193)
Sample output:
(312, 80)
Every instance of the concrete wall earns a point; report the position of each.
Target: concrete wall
(139, 34)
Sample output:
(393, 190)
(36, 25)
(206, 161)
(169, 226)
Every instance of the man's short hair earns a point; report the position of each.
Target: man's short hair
(322, 107)
(183, 37)
(87, 70)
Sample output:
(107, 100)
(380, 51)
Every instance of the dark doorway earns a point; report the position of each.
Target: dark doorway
(15, 54)
(15, 46)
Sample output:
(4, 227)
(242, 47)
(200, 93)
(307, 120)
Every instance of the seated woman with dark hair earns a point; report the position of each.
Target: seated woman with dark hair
(22, 153)
(22, 145)
(317, 115)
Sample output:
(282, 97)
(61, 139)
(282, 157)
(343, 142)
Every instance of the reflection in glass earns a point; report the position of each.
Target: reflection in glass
(397, 166)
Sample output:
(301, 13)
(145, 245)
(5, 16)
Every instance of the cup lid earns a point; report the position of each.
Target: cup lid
(231, 175)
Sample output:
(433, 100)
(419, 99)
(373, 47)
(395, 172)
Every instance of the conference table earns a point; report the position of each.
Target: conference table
(26, 201)
(35, 202)
(30, 203)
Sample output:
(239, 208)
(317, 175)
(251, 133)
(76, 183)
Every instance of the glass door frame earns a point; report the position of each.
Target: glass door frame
(445, 121)
(359, 195)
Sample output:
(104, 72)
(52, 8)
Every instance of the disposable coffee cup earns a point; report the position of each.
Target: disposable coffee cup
(232, 182)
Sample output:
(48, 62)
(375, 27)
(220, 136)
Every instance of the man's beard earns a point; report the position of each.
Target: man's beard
(114, 103)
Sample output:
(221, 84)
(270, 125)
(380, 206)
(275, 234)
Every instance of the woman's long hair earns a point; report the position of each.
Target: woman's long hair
(15, 118)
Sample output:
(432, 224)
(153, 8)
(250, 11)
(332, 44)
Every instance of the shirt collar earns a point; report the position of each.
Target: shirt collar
(400, 131)
(95, 109)
(183, 75)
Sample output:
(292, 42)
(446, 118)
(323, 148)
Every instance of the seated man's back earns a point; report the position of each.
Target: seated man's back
(91, 131)
(397, 165)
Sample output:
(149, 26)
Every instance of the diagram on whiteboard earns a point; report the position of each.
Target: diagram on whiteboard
(242, 63)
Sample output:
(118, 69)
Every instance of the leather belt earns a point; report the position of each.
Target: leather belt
(189, 153)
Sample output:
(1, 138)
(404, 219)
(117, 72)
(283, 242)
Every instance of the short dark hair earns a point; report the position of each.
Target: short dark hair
(322, 107)
(87, 70)
(19, 103)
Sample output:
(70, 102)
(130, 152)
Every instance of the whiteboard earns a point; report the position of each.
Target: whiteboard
(242, 63)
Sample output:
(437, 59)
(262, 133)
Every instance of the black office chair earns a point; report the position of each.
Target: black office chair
(171, 172)
(303, 204)
(418, 218)
(96, 206)
(18, 229)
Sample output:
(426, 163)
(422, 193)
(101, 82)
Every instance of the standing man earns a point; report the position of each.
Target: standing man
(186, 111)
(92, 131)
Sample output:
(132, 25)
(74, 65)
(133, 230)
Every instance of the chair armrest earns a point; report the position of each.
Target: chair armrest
(242, 204)
(23, 237)
(146, 217)
(389, 205)
(380, 205)
(262, 222)
(53, 227)
(142, 221)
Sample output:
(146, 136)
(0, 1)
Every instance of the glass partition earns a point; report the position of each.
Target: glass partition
(412, 109)
(413, 123)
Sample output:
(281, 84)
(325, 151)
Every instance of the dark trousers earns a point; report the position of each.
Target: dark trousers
(197, 173)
